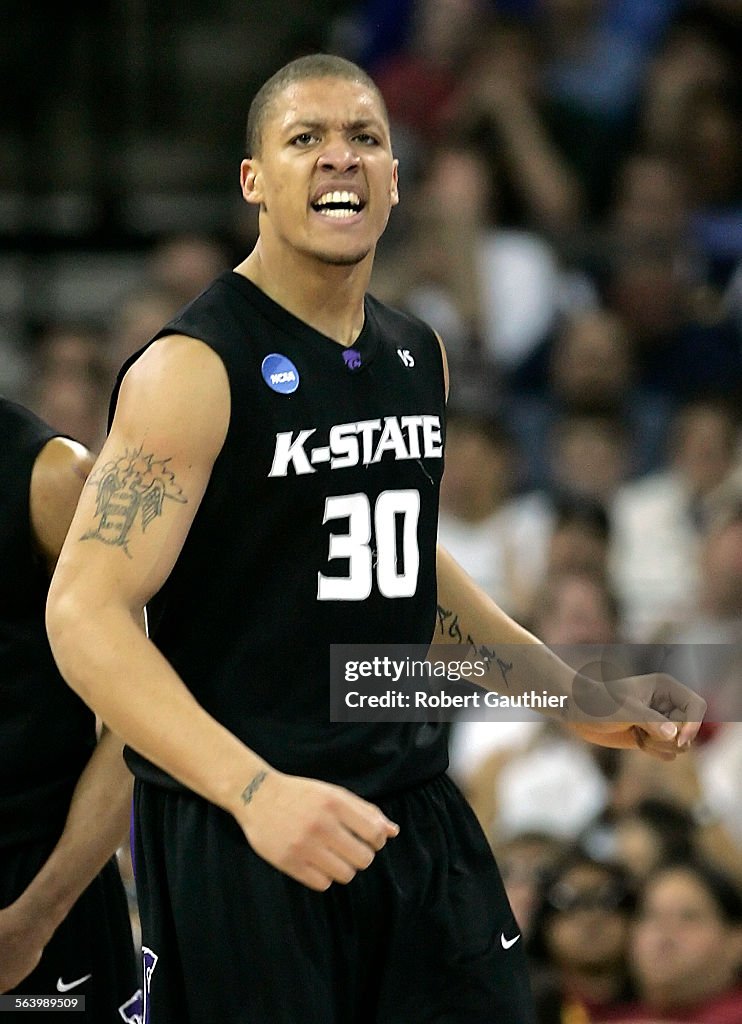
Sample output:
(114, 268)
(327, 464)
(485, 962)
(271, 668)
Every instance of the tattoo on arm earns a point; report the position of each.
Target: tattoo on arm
(252, 787)
(130, 488)
(448, 625)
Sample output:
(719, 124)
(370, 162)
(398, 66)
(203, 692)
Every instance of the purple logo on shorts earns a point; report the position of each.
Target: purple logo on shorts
(352, 359)
(132, 1011)
(149, 962)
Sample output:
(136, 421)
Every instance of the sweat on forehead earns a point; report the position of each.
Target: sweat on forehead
(316, 65)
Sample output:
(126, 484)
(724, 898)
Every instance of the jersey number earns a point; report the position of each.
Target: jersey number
(392, 508)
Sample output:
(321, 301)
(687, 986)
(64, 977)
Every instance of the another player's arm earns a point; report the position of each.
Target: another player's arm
(95, 827)
(654, 712)
(98, 815)
(59, 473)
(129, 528)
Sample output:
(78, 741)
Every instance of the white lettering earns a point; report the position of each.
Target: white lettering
(344, 445)
(288, 451)
(366, 429)
(391, 440)
(432, 446)
(411, 424)
(364, 442)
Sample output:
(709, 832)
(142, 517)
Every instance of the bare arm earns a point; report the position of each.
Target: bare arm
(656, 713)
(170, 424)
(653, 712)
(59, 473)
(549, 187)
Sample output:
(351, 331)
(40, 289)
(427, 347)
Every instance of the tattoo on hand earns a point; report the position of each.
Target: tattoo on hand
(448, 624)
(133, 486)
(252, 787)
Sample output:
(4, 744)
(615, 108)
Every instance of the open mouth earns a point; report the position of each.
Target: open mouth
(338, 204)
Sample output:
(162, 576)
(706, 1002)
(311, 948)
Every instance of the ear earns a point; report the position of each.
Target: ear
(250, 181)
(394, 194)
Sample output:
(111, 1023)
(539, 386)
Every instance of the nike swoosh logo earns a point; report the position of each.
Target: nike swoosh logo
(65, 987)
(507, 943)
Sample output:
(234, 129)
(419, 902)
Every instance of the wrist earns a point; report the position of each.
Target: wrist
(244, 786)
(40, 914)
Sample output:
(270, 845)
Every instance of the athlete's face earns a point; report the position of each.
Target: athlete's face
(325, 177)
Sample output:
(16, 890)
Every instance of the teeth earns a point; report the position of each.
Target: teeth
(348, 198)
(337, 214)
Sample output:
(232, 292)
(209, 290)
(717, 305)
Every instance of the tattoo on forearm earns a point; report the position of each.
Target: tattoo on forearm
(132, 487)
(449, 625)
(252, 787)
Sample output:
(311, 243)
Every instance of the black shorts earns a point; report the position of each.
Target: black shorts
(426, 934)
(92, 951)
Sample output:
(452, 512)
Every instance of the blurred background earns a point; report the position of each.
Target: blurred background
(571, 223)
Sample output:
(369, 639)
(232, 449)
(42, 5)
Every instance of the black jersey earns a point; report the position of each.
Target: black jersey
(46, 732)
(318, 527)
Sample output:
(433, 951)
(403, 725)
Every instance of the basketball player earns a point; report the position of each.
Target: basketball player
(269, 486)
(64, 799)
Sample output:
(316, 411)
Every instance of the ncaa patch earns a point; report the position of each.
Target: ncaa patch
(280, 374)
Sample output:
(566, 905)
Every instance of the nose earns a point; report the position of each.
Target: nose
(338, 155)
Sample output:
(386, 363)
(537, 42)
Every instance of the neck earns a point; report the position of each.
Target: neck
(329, 298)
(596, 987)
(689, 991)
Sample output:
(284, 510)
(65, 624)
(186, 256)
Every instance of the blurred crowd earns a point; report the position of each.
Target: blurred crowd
(571, 223)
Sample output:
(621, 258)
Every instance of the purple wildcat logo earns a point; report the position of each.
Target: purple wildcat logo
(352, 359)
(149, 962)
(132, 1010)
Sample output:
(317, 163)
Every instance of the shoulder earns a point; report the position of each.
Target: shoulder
(61, 456)
(178, 388)
(59, 473)
(394, 319)
(409, 331)
(58, 476)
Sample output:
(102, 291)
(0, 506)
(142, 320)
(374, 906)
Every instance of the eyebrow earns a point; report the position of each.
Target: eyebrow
(349, 126)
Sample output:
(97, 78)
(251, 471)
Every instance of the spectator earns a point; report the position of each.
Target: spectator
(699, 817)
(711, 150)
(690, 58)
(650, 833)
(686, 949)
(577, 606)
(579, 940)
(498, 539)
(589, 455)
(513, 772)
(185, 264)
(502, 292)
(685, 344)
(499, 107)
(657, 520)
(417, 79)
(69, 390)
(586, 367)
(651, 203)
(707, 645)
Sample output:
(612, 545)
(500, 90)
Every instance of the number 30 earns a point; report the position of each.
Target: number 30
(355, 546)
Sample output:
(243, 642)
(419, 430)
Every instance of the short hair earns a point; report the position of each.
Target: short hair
(314, 65)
